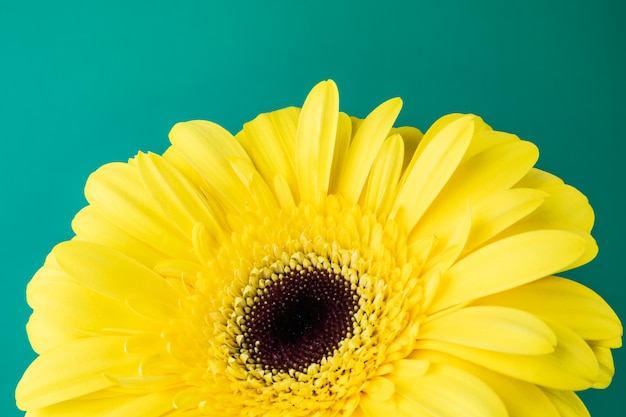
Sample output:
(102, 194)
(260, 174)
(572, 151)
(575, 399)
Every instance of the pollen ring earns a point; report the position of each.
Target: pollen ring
(298, 313)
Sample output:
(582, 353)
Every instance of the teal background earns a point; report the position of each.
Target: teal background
(83, 83)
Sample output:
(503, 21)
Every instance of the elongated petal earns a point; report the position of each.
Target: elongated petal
(174, 157)
(428, 173)
(410, 368)
(572, 365)
(45, 334)
(507, 263)
(499, 329)
(434, 130)
(260, 194)
(148, 405)
(116, 191)
(521, 399)
(499, 211)
(384, 175)
(606, 366)
(567, 402)
(342, 146)
(536, 178)
(364, 148)
(493, 170)
(97, 313)
(208, 148)
(446, 391)
(155, 404)
(85, 406)
(315, 140)
(400, 405)
(485, 137)
(563, 301)
(178, 198)
(445, 252)
(566, 208)
(115, 275)
(270, 140)
(411, 138)
(91, 225)
(74, 369)
(284, 194)
(612, 343)
(565, 199)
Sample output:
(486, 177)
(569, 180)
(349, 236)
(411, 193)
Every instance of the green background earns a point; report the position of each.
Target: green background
(83, 83)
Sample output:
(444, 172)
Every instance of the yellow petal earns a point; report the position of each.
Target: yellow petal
(567, 402)
(208, 148)
(446, 391)
(582, 219)
(507, 263)
(572, 365)
(411, 138)
(342, 146)
(379, 388)
(174, 157)
(606, 366)
(410, 368)
(564, 301)
(520, 398)
(188, 398)
(536, 178)
(434, 130)
(429, 171)
(55, 319)
(499, 211)
(315, 140)
(446, 250)
(284, 194)
(115, 275)
(364, 148)
(119, 195)
(91, 225)
(270, 140)
(148, 405)
(492, 170)
(179, 199)
(260, 194)
(566, 208)
(485, 137)
(499, 329)
(399, 405)
(92, 407)
(155, 404)
(384, 175)
(612, 343)
(74, 369)
(45, 334)
(204, 242)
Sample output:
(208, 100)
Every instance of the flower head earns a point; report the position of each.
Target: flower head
(320, 265)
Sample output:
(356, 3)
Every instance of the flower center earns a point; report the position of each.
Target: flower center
(300, 318)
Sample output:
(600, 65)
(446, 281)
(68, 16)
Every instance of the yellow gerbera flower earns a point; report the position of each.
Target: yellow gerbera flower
(321, 265)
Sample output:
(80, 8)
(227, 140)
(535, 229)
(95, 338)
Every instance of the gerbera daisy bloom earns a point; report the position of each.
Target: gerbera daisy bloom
(316, 264)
